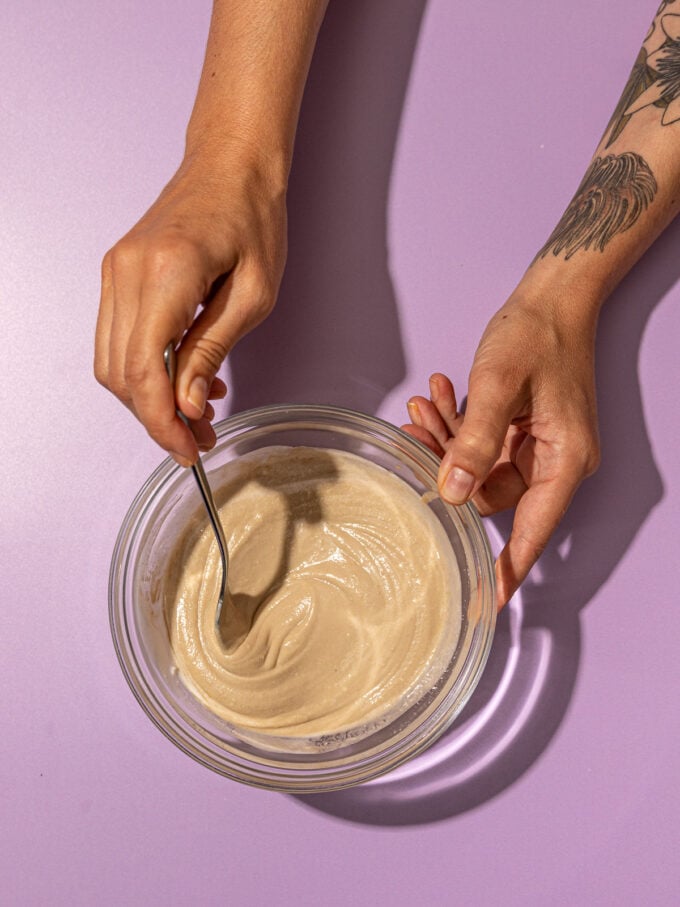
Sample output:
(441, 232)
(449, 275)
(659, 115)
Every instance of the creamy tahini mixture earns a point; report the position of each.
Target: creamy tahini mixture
(344, 595)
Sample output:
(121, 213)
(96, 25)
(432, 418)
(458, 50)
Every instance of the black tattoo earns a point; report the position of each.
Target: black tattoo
(615, 191)
(639, 80)
(667, 65)
(655, 79)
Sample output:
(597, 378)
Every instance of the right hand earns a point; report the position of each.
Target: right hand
(215, 237)
(529, 433)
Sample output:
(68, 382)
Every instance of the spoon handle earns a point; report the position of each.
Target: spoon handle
(170, 359)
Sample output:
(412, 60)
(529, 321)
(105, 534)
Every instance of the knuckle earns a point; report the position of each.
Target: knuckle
(119, 388)
(161, 257)
(169, 256)
(532, 546)
(212, 350)
(593, 459)
(479, 440)
(493, 380)
(157, 428)
(101, 373)
(585, 455)
(106, 265)
(136, 370)
(121, 258)
(258, 291)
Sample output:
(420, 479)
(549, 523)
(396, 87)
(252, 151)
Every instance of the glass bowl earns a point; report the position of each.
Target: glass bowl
(164, 508)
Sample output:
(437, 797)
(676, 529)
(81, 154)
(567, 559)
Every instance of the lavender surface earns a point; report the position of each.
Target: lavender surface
(439, 144)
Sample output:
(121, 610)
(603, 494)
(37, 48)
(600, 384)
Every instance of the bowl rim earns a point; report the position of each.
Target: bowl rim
(292, 778)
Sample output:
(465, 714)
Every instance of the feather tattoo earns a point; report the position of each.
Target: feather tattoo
(615, 191)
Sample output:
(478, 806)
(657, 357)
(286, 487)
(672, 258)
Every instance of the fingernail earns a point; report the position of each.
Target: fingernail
(434, 390)
(413, 412)
(458, 486)
(198, 393)
(180, 458)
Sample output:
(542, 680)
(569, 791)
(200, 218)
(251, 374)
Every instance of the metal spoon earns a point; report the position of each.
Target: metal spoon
(169, 358)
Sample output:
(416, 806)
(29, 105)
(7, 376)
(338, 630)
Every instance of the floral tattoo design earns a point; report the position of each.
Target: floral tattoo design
(655, 79)
(615, 191)
(640, 79)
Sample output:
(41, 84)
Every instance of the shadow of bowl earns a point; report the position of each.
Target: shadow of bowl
(508, 721)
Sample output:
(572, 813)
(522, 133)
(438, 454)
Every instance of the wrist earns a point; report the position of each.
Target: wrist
(571, 291)
(223, 156)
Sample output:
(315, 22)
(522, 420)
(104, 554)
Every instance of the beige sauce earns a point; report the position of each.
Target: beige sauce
(345, 597)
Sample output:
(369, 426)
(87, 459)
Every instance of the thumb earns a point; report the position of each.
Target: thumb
(234, 310)
(477, 445)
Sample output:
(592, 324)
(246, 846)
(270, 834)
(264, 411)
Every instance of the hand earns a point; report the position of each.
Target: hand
(216, 238)
(529, 433)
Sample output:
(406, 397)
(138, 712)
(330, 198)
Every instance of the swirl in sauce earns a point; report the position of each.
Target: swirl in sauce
(344, 595)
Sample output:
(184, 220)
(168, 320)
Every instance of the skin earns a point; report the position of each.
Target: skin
(203, 266)
(529, 434)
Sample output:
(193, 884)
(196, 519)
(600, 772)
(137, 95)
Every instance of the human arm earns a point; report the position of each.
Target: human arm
(529, 433)
(216, 236)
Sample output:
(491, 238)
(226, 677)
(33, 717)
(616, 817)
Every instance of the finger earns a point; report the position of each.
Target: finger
(159, 321)
(102, 337)
(538, 513)
(503, 488)
(155, 404)
(243, 301)
(125, 282)
(424, 414)
(421, 434)
(478, 442)
(443, 396)
(174, 277)
(413, 410)
(204, 434)
(218, 390)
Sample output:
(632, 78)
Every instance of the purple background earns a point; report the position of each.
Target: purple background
(439, 143)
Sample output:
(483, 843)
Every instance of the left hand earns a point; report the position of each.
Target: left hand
(201, 268)
(529, 433)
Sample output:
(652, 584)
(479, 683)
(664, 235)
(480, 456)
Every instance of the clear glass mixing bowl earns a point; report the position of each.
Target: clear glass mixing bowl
(161, 513)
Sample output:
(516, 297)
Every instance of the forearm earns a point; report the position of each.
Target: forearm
(631, 189)
(256, 63)
(202, 267)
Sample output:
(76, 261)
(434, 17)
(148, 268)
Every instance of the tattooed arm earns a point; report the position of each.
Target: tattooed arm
(529, 434)
(636, 164)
